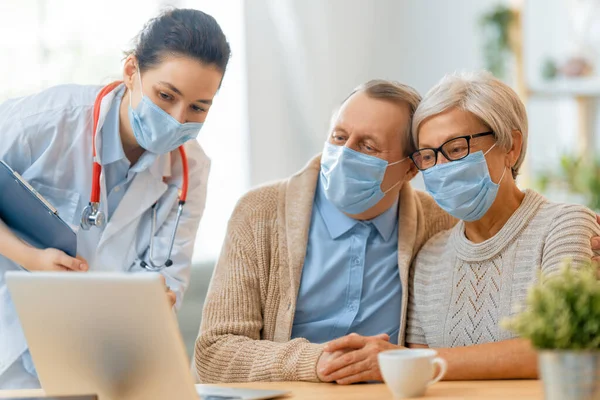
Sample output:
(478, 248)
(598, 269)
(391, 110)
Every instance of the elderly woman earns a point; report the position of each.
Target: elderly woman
(471, 132)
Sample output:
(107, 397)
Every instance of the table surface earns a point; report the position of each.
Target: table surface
(513, 390)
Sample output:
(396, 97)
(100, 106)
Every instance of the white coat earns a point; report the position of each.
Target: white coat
(47, 138)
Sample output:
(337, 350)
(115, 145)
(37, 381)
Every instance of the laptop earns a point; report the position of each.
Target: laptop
(109, 334)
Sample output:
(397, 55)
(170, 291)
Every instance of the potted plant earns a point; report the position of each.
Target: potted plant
(579, 176)
(562, 320)
(497, 49)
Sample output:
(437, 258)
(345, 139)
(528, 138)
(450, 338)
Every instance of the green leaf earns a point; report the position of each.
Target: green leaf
(561, 311)
(576, 175)
(495, 29)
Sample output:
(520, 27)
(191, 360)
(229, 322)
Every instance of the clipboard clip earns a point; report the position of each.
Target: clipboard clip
(35, 192)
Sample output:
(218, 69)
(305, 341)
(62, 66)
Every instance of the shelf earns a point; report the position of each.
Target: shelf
(573, 87)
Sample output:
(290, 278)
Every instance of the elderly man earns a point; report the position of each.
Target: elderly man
(323, 255)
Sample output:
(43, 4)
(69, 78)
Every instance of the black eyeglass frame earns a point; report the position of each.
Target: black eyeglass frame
(440, 149)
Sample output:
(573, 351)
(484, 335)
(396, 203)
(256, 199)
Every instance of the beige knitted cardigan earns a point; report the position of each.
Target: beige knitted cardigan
(249, 310)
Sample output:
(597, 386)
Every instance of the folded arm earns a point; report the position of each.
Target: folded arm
(507, 359)
(230, 347)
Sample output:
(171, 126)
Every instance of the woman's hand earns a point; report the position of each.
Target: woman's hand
(53, 260)
(34, 259)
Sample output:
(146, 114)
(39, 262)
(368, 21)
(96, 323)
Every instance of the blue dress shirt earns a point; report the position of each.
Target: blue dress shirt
(350, 280)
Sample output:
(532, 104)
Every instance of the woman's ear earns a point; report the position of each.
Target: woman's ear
(515, 150)
(129, 71)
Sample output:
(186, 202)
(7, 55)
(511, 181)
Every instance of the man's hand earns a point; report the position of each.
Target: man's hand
(53, 260)
(359, 363)
(170, 294)
(325, 359)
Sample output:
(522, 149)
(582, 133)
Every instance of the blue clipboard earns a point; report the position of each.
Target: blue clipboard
(30, 216)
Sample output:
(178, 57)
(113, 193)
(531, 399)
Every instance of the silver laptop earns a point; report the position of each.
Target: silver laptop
(113, 335)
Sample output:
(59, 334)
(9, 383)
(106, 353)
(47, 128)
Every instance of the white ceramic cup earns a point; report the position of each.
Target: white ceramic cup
(409, 372)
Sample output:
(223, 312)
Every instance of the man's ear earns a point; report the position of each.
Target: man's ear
(411, 172)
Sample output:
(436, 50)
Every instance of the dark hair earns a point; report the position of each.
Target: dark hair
(184, 32)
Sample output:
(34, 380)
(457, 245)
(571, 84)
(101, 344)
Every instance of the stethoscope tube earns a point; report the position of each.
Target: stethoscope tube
(93, 216)
(153, 265)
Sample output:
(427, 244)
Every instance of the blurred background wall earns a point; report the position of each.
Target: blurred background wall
(294, 61)
(304, 57)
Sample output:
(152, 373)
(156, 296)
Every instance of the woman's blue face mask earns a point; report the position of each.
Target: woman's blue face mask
(155, 130)
(463, 188)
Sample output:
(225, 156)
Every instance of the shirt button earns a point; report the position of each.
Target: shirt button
(117, 189)
(356, 261)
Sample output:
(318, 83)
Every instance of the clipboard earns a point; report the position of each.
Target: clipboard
(30, 216)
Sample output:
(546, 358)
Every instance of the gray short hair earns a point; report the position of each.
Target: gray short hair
(394, 92)
(488, 98)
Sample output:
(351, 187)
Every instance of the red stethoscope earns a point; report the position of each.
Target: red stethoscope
(92, 216)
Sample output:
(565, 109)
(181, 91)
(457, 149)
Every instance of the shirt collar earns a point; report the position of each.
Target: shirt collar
(157, 164)
(386, 222)
(338, 223)
(112, 148)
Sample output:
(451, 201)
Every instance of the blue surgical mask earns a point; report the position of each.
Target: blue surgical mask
(463, 188)
(157, 131)
(352, 180)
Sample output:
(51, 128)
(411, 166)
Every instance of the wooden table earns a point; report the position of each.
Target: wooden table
(512, 390)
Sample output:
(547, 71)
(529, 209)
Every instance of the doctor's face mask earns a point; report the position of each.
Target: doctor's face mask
(163, 116)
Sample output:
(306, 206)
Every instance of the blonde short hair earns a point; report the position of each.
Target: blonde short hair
(488, 98)
(395, 92)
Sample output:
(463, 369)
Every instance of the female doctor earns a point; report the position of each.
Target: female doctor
(118, 185)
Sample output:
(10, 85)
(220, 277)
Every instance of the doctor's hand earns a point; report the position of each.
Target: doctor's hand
(170, 294)
(360, 361)
(53, 260)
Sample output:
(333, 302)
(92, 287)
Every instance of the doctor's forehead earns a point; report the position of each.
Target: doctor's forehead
(188, 76)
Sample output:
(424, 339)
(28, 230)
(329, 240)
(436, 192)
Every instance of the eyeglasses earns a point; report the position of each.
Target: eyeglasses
(454, 149)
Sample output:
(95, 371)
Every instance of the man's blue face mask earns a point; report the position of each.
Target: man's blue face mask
(352, 180)
(157, 131)
(463, 188)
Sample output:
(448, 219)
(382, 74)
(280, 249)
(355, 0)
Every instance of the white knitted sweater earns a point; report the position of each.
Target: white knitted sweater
(460, 290)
